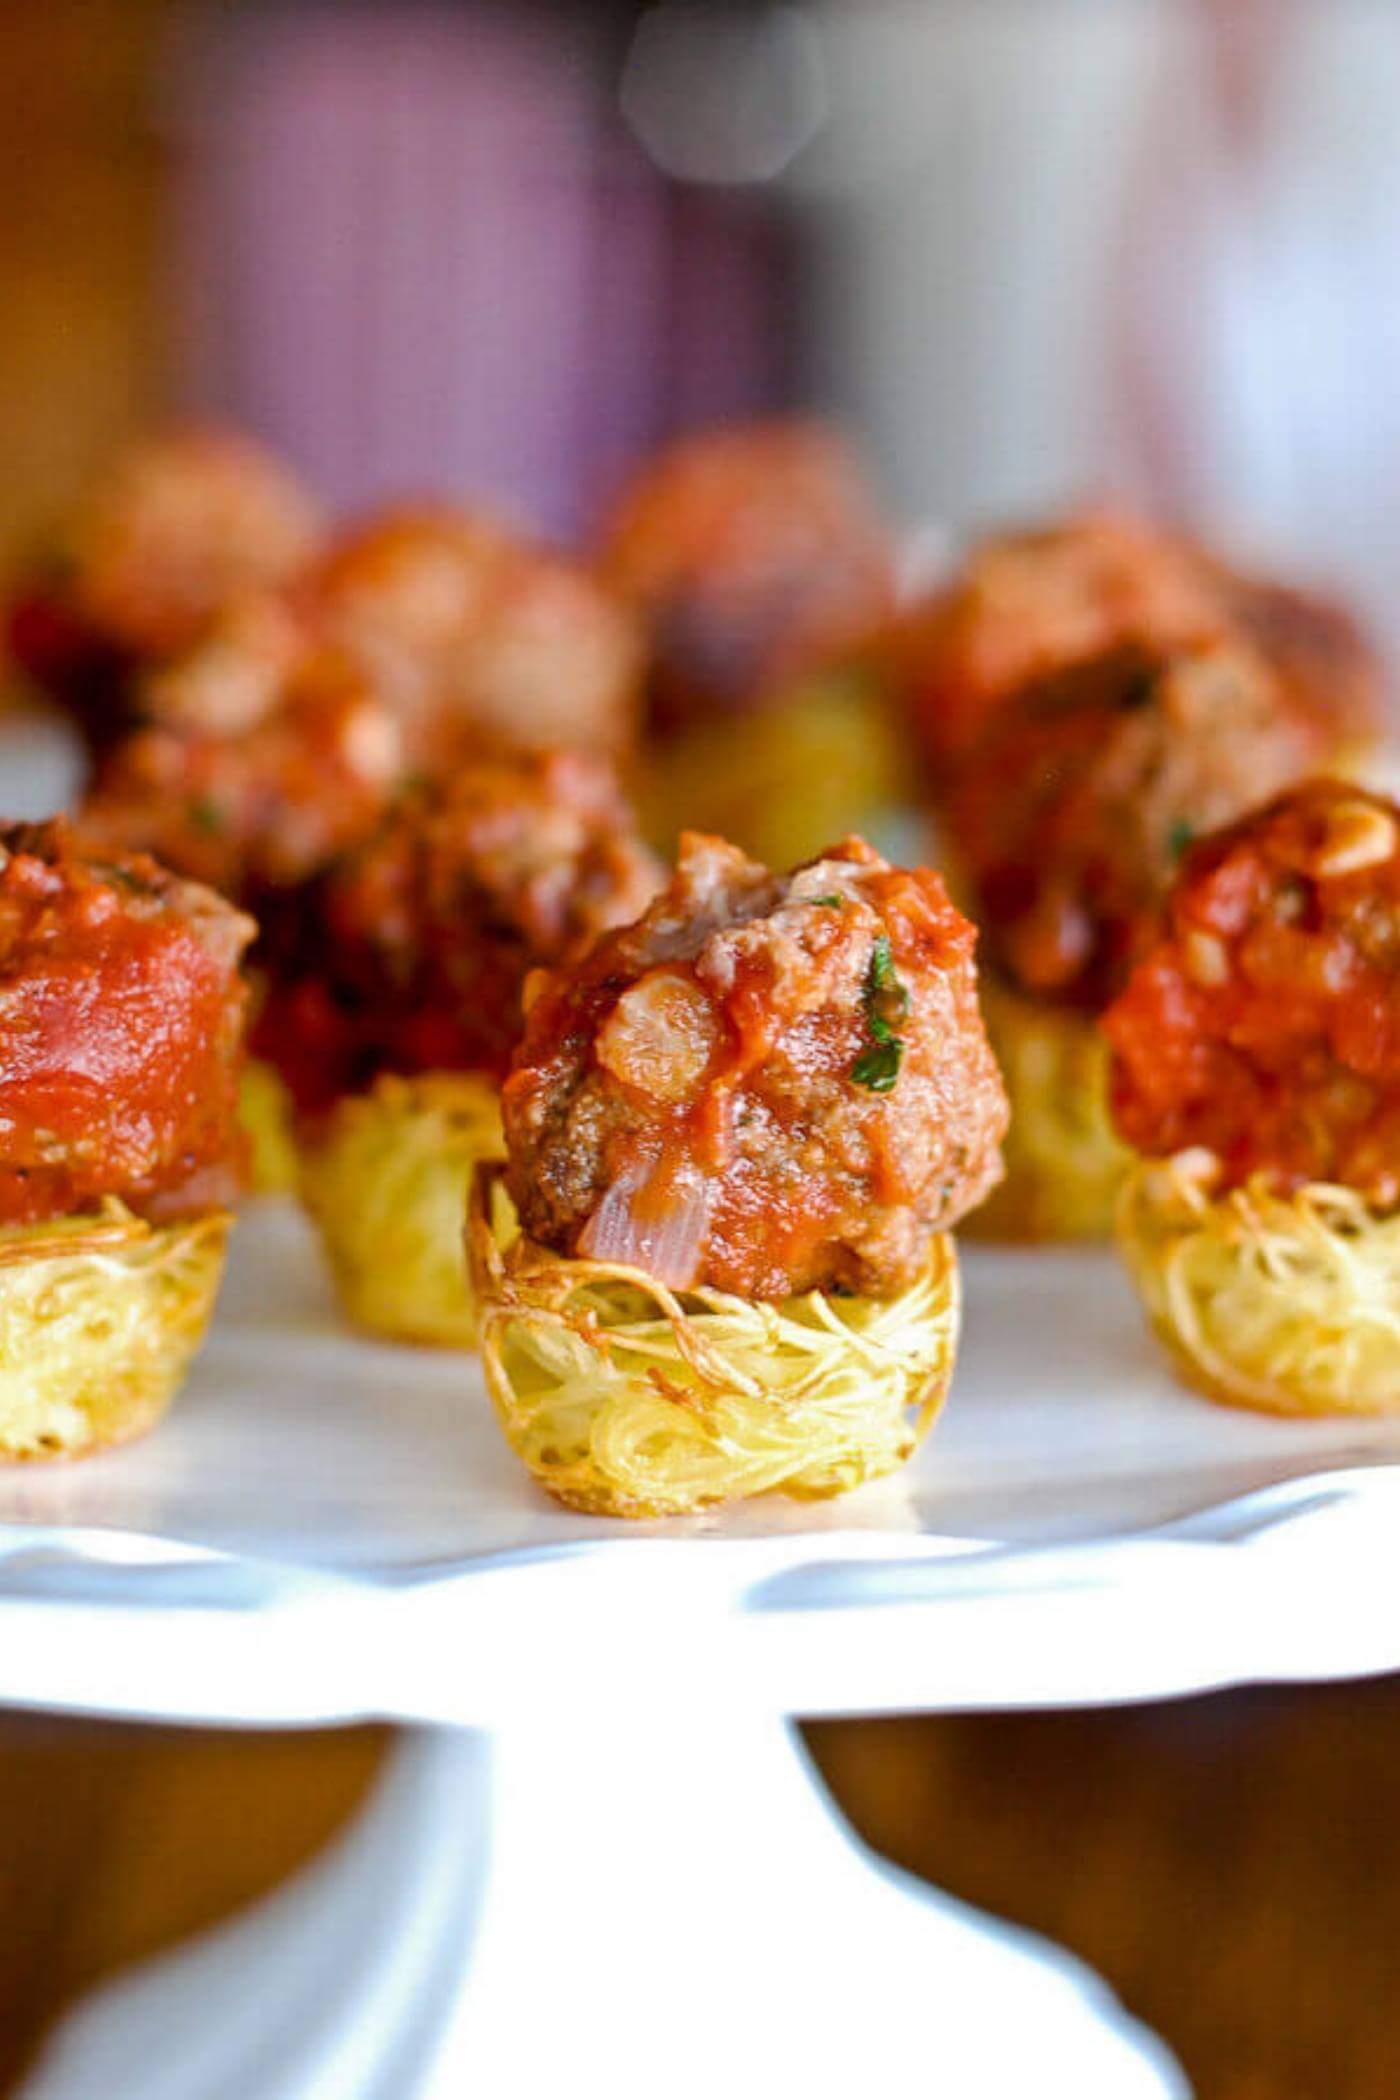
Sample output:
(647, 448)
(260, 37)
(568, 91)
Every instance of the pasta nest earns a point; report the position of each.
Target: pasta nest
(625, 1398)
(265, 1113)
(1289, 1304)
(100, 1315)
(1064, 1160)
(782, 779)
(386, 1179)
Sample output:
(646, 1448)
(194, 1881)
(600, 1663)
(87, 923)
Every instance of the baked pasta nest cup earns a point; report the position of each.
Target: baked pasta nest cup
(386, 1178)
(784, 777)
(1286, 1303)
(626, 1398)
(1064, 1161)
(266, 1114)
(100, 1315)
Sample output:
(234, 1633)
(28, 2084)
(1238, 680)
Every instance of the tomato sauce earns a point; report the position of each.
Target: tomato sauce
(120, 1033)
(413, 953)
(1265, 1024)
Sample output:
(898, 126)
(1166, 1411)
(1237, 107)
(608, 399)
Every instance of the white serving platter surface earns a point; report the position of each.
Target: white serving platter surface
(327, 1526)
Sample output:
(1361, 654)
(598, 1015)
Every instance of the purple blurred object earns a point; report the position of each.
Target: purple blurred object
(416, 250)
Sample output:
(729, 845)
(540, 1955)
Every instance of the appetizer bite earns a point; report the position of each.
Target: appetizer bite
(1024, 605)
(458, 636)
(738, 1132)
(1256, 1074)
(394, 1018)
(178, 527)
(121, 1019)
(763, 573)
(276, 742)
(468, 631)
(1321, 656)
(258, 812)
(1066, 823)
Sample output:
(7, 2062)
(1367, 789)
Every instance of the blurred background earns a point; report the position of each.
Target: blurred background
(1025, 249)
(1028, 249)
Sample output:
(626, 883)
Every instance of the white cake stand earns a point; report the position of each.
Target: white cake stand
(600, 1854)
(599, 1857)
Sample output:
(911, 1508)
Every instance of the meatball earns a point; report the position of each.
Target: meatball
(121, 1016)
(466, 636)
(1321, 655)
(768, 1084)
(254, 653)
(467, 630)
(412, 954)
(148, 556)
(752, 554)
(1028, 604)
(257, 811)
(1264, 1025)
(1069, 816)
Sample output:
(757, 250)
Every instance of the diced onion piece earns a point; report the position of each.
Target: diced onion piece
(659, 1037)
(1358, 836)
(654, 1217)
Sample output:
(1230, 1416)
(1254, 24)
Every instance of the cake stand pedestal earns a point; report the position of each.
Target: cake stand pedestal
(654, 1899)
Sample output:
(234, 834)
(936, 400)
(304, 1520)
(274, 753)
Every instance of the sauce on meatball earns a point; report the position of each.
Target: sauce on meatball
(1025, 605)
(767, 1084)
(256, 811)
(1070, 815)
(753, 554)
(121, 1017)
(468, 630)
(1264, 1025)
(412, 954)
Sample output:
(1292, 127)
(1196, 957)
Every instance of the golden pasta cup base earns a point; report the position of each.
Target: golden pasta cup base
(265, 1112)
(1284, 1304)
(1064, 1161)
(624, 1398)
(385, 1180)
(100, 1316)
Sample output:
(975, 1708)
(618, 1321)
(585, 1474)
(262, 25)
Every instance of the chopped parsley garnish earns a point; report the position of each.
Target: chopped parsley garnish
(886, 1003)
(1179, 838)
(122, 879)
(886, 999)
(206, 816)
(877, 1069)
(830, 902)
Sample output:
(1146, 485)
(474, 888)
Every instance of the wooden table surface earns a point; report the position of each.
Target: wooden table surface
(1230, 1864)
